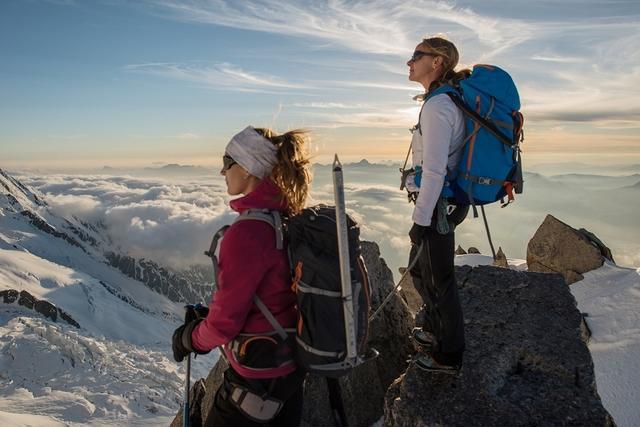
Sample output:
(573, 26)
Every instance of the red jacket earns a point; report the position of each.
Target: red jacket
(249, 264)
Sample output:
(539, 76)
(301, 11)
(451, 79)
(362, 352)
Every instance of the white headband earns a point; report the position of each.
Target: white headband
(253, 152)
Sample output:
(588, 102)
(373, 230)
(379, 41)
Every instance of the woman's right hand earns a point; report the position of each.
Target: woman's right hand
(416, 233)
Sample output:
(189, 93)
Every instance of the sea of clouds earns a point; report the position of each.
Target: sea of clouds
(171, 220)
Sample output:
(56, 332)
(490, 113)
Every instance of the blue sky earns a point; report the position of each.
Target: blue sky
(92, 83)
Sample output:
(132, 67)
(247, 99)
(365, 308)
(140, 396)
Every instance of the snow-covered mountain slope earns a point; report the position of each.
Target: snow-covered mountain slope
(27, 221)
(115, 366)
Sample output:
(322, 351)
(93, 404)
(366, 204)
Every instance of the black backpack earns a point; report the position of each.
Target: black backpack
(325, 318)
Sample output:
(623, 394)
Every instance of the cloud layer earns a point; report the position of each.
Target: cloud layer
(169, 223)
(173, 223)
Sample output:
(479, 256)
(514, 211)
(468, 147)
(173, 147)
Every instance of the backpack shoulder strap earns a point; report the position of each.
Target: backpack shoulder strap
(273, 218)
(269, 316)
(480, 120)
(211, 253)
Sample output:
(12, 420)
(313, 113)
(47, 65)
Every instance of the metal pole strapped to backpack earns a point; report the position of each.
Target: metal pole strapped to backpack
(345, 265)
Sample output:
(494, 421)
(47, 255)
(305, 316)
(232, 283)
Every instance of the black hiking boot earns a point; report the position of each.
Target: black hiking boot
(424, 339)
(426, 363)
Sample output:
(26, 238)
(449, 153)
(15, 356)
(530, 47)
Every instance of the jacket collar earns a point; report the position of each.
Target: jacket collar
(266, 195)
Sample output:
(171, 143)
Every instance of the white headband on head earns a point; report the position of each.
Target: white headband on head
(253, 152)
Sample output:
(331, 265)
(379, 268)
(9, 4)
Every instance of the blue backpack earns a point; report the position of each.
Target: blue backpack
(490, 167)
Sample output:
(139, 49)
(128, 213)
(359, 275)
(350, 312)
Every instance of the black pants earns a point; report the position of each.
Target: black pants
(288, 389)
(434, 279)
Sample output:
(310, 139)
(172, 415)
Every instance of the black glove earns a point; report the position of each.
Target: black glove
(416, 233)
(195, 311)
(181, 341)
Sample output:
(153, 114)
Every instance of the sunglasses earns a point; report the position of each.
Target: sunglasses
(227, 162)
(419, 54)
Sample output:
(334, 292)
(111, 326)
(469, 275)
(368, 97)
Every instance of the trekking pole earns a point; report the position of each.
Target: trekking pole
(187, 382)
(486, 226)
(187, 386)
(393, 291)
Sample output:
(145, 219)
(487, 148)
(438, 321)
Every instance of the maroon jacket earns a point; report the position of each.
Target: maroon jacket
(249, 264)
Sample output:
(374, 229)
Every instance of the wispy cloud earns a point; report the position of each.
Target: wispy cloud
(552, 58)
(587, 69)
(371, 85)
(218, 76)
(379, 26)
(379, 118)
(366, 27)
(331, 105)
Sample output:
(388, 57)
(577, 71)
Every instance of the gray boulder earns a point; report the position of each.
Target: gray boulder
(559, 248)
(525, 361)
(364, 389)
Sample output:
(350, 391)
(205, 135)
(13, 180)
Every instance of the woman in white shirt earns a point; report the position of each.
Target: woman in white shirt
(436, 147)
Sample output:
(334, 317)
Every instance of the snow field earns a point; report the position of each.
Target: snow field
(610, 296)
(57, 371)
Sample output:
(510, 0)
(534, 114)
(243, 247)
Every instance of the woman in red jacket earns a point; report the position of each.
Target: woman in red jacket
(263, 383)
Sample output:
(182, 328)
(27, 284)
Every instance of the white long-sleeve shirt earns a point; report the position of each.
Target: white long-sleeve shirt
(442, 125)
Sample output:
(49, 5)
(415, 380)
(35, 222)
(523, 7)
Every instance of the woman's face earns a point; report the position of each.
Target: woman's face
(237, 178)
(424, 66)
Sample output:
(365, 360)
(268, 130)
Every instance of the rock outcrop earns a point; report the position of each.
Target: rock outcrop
(188, 286)
(525, 362)
(473, 250)
(559, 248)
(460, 251)
(25, 299)
(43, 225)
(501, 259)
(364, 389)
(408, 292)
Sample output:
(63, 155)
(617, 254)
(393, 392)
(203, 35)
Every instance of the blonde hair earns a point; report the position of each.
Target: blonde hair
(291, 173)
(447, 50)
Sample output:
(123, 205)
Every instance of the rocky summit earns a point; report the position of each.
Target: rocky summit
(525, 361)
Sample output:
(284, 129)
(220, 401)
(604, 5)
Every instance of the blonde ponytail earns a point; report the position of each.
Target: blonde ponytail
(291, 173)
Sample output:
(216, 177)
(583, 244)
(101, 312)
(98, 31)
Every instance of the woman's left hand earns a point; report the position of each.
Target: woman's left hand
(181, 341)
